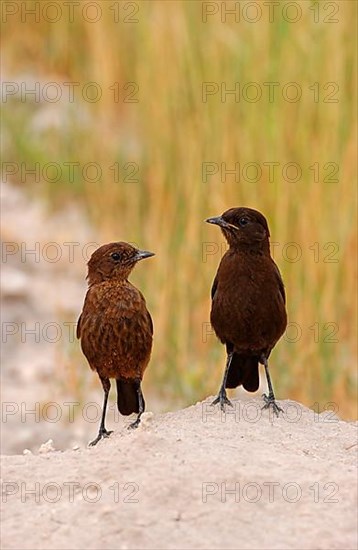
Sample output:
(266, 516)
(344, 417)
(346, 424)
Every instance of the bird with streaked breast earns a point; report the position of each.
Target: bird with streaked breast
(115, 328)
(248, 311)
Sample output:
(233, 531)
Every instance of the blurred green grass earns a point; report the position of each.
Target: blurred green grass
(169, 133)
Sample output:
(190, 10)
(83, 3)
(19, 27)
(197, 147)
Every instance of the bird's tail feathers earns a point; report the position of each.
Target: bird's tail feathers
(244, 371)
(127, 396)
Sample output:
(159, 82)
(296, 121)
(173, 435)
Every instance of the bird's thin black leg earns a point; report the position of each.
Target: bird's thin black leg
(222, 397)
(136, 423)
(102, 430)
(270, 398)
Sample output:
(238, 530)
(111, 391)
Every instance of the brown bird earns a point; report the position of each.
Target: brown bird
(115, 328)
(248, 311)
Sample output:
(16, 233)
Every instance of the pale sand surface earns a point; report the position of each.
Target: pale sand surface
(166, 485)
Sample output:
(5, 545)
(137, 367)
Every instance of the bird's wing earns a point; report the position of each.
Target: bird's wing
(214, 287)
(281, 286)
(150, 322)
(78, 329)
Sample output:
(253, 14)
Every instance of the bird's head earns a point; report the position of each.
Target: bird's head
(243, 227)
(114, 261)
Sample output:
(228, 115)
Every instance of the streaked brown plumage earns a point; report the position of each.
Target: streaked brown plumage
(248, 311)
(115, 327)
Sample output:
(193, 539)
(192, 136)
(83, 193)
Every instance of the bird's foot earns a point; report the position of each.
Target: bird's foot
(223, 400)
(134, 424)
(102, 434)
(270, 402)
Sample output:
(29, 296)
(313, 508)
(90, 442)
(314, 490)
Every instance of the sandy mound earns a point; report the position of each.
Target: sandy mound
(191, 479)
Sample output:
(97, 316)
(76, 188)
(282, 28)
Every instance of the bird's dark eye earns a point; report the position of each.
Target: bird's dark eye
(115, 256)
(243, 222)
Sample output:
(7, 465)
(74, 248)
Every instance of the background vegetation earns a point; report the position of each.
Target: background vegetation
(160, 199)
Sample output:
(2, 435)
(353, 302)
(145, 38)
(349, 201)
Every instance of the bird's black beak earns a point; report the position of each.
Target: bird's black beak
(219, 220)
(142, 254)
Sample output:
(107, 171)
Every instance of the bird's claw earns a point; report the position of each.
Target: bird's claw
(270, 402)
(102, 435)
(134, 424)
(223, 400)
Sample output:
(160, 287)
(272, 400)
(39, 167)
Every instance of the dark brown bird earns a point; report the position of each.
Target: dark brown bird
(115, 328)
(248, 311)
